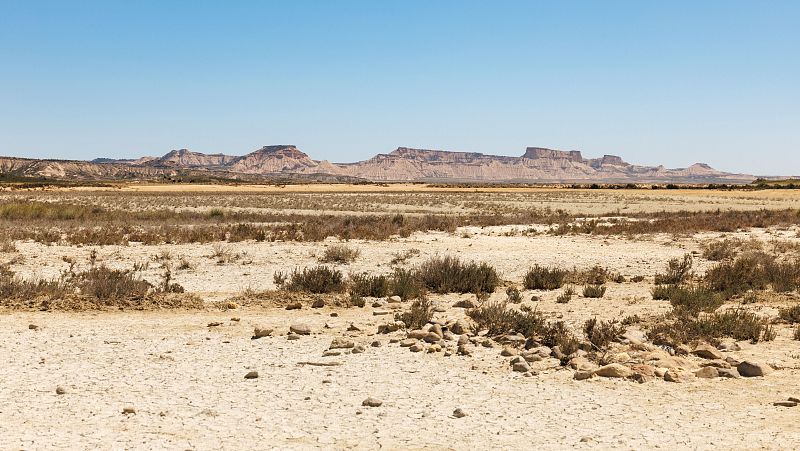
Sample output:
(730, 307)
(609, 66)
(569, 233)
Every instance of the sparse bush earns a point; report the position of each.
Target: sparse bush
(279, 278)
(720, 250)
(790, 314)
(662, 292)
(223, 254)
(594, 291)
(796, 333)
(366, 285)
(544, 278)
(513, 295)
(340, 253)
(184, 264)
(404, 283)
(399, 258)
(601, 334)
(420, 314)
(693, 300)
(319, 279)
(678, 271)
(631, 320)
(736, 324)
(753, 271)
(105, 284)
(566, 295)
(449, 275)
(637, 279)
(499, 319)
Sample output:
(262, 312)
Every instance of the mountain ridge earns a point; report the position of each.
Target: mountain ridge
(404, 164)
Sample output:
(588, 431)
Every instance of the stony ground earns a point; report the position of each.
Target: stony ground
(186, 382)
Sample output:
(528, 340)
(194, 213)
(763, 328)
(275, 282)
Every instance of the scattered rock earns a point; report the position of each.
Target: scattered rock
(678, 375)
(431, 337)
(408, 342)
(458, 413)
(129, 410)
(729, 346)
(508, 352)
(352, 328)
(463, 350)
(583, 375)
(784, 404)
(214, 324)
(620, 357)
(716, 364)
(394, 299)
(300, 329)
(33, 327)
(730, 373)
(466, 304)
(520, 366)
(707, 351)
(358, 349)
(294, 306)
(439, 309)
(436, 329)
(251, 375)
(319, 303)
(376, 344)
(417, 334)
(380, 312)
(60, 390)
(235, 319)
(261, 332)
(708, 372)
(341, 343)
(614, 370)
(292, 336)
(379, 304)
(389, 328)
(753, 368)
(416, 347)
(334, 315)
(793, 399)
(371, 402)
(644, 369)
(434, 348)
(331, 353)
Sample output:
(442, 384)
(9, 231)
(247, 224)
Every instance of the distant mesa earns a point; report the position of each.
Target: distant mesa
(404, 164)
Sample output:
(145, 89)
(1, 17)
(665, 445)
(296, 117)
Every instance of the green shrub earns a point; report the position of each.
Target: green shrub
(449, 275)
(544, 278)
(602, 334)
(678, 271)
(319, 279)
(594, 291)
(499, 319)
(404, 283)
(366, 285)
(340, 253)
(693, 300)
(420, 314)
(513, 295)
(790, 314)
(736, 324)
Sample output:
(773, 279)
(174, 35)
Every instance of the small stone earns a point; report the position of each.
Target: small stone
(319, 303)
(294, 306)
(417, 334)
(784, 404)
(408, 342)
(793, 399)
(380, 312)
(261, 332)
(708, 372)
(462, 340)
(462, 326)
(614, 370)
(251, 375)
(394, 299)
(33, 327)
(214, 324)
(417, 347)
(371, 402)
(644, 369)
(353, 328)
(458, 413)
(707, 351)
(521, 367)
(376, 344)
(439, 309)
(128, 410)
(235, 319)
(293, 336)
(730, 373)
(434, 348)
(389, 328)
(379, 304)
(60, 390)
(583, 375)
(431, 337)
(678, 375)
(463, 350)
(341, 343)
(436, 329)
(508, 352)
(487, 343)
(358, 349)
(334, 315)
(331, 353)
(753, 368)
(465, 303)
(300, 329)
(729, 346)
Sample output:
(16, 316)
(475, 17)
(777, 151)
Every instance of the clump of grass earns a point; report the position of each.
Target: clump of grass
(420, 314)
(340, 253)
(737, 324)
(319, 279)
(602, 334)
(544, 278)
(184, 264)
(566, 295)
(678, 271)
(753, 271)
(720, 250)
(790, 314)
(694, 299)
(279, 278)
(398, 258)
(594, 291)
(367, 285)
(499, 319)
(596, 275)
(223, 254)
(513, 295)
(450, 275)
(406, 284)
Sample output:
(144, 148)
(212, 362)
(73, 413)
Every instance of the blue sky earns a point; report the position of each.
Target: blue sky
(656, 82)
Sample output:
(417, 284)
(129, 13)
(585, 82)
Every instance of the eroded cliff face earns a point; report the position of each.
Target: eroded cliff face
(537, 164)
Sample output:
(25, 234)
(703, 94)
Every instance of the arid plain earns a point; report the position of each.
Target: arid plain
(399, 316)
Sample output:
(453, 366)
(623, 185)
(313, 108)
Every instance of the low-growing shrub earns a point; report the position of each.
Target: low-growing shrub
(566, 295)
(499, 319)
(544, 278)
(340, 253)
(736, 324)
(594, 291)
(513, 295)
(418, 315)
(366, 285)
(678, 271)
(790, 314)
(720, 250)
(319, 279)
(796, 333)
(404, 283)
(694, 299)
(602, 334)
(450, 275)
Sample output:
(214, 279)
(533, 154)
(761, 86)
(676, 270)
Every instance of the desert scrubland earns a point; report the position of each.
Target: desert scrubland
(399, 317)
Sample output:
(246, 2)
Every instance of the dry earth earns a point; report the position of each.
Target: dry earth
(185, 379)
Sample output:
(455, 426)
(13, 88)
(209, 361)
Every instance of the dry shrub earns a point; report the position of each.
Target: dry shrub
(602, 334)
(694, 299)
(566, 295)
(104, 283)
(737, 324)
(398, 258)
(544, 278)
(450, 275)
(721, 250)
(340, 253)
(790, 314)
(796, 333)
(753, 271)
(7, 247)
(319, 279)
(678, 271)
(594, 291)
(596, 275)
(366, 285)
(499, 319)
(513, 295)
(406, 284)
(420, 314)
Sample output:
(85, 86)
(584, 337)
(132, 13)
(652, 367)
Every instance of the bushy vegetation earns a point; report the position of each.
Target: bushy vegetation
(602, 333)
(753, 271)
(678, 271)
(594, 291)
(318, 279)
(513, 295)
(544, 278)
(790, 314)
(367, 285)
(420, 314)
(736, 324)
(451, 275)
(340, 253)
(566, 295)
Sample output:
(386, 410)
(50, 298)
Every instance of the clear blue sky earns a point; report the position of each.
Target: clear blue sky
(656, 82)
